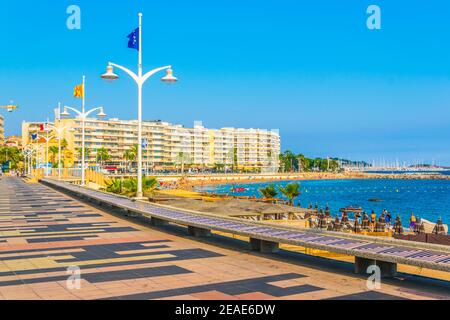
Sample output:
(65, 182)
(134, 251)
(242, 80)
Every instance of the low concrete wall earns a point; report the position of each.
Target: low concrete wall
(442, 239)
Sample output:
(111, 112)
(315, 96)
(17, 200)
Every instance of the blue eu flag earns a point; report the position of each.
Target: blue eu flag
(133, 39)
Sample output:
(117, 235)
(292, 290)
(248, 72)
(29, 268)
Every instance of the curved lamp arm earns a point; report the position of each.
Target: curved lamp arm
(127, 71)
(152, 72)
(74, 110)
(47, 139)
(86, 114)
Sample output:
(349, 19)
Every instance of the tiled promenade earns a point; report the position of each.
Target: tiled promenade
(43, 233)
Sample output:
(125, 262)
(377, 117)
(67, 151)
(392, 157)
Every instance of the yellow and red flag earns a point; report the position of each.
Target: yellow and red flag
(78, 91)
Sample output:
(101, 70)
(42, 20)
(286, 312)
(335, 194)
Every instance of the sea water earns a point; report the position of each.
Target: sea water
(428, 199)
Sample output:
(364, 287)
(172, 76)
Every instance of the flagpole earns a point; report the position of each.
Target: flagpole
(59, 141)
(46, 150)
(139, 173)
(139, 78)
(83, 174)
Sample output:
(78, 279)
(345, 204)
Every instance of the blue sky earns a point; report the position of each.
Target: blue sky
(311, 69)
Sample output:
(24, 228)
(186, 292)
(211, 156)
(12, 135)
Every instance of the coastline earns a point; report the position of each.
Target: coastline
(187, 181)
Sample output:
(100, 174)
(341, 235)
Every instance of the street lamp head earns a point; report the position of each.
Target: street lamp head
(101, 114)
(65, 113)
(169, 78)
(109, 75)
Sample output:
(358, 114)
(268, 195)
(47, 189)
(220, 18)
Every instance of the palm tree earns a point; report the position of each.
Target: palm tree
(232, 156)
(130, 155)
(129, 187)
(68, 158)
(115, 186)
(64, 144)
(149, 184)
(182, 158)
(291, 191)
(53, 150)
(269, 192)
(87, 152)
(103, 155)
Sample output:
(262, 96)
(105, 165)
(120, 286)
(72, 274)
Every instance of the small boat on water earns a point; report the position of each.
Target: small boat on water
(375, 200)
(238, 190)
(353, 209)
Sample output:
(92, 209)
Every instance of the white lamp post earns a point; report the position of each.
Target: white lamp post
(27, 152)
(37, 152)
(140, 79)
(83, 116)
(47, 140)
(59, 131)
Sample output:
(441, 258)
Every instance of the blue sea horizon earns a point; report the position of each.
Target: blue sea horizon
(428, 199)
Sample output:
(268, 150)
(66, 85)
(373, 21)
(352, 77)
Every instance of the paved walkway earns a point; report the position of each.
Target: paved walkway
(43, 233)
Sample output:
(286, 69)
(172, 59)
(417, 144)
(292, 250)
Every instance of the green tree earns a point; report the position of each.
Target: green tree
(87, 152)
(182, 158)
(269, 192)
(130, 155)
(12, 154)
(128, 187)
(288, 161)
(149, 185)
(53, 150)
(64, 144)
(103, 155)
(115, 186)
(291, 191)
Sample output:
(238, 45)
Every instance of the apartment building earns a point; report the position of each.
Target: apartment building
(168, 145)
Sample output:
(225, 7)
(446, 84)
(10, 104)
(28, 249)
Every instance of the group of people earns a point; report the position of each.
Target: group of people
(386, 217)
(13, 173)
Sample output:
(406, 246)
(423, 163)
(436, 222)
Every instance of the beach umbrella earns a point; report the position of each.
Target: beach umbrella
(419, 227)
(323, 222)
(439, 227)
(357, 227)
(398, 227)
(327, 211)
(365, 223)
(344, 218)
(416, 228)
(337, 225)
(312, 222)
(330, 226)
(380, 226)
(422, 228)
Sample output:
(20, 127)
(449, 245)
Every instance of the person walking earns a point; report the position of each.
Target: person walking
(388, 219)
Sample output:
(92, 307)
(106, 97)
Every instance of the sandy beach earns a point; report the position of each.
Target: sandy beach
(186, 182)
